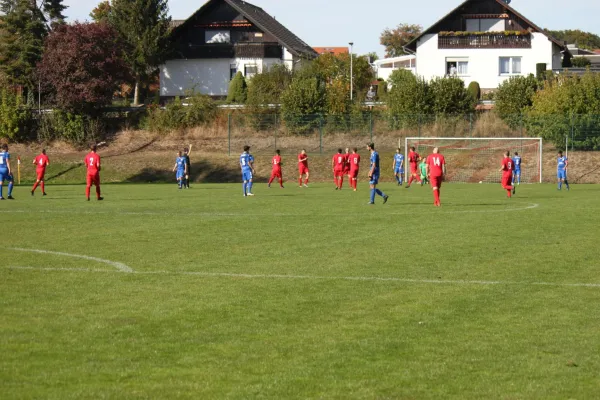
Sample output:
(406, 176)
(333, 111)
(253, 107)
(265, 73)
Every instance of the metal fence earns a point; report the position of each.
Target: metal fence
(326, 133)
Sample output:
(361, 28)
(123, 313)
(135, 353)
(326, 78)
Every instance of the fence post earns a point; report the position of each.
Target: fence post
(371, 125)
(229, 133)
(321, 134)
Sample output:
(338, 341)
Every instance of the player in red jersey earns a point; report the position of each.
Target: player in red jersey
(41, 162)
(303, 168)
(276, 172)
(347, 164)
(92, 162)
(338, 162)
(507, 169)
(413, 159)
(354, 161)
(436, 170)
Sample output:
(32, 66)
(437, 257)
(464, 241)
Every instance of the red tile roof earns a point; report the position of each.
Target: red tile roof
(332, 50)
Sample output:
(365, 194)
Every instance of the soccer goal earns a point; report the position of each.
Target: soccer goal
(474, 160)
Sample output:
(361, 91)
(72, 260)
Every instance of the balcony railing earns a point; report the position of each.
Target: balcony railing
(228, 50)
(486, 41)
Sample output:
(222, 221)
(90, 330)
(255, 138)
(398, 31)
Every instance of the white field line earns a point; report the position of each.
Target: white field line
(119, 266)
(530, 206)
(324, 278)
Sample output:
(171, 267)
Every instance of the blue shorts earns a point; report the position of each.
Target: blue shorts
(399, 171)
(5, 176)
(517, 172)
(561, 174)
(180, 174)
(246, 176)
(374, 179)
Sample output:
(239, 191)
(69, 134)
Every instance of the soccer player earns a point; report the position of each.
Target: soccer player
(374, 175)
(517, 171)
(41, 162)
(435, 170)
(337, 165)
(347, 164)
(413, 159)
(423, 171)
(354, 166)
(5, 172)
(186, 157)
(399, 166)
(507, 173)
(181, 168)
(247, 166)
(303, 168)
(92, 163)
(561, 173)
(276, 172)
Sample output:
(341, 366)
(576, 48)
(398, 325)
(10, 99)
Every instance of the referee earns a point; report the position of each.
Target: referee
(186, 156)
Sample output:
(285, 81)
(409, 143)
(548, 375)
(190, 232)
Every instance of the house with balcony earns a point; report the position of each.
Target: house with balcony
(486, 41)
(222, 38)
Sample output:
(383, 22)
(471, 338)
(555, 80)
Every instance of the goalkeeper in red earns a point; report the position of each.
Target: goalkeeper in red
(436, 170)
(507, 169)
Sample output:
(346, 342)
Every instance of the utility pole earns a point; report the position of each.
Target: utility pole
(351, 72)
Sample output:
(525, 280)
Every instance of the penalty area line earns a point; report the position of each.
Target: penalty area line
(119, 266)
(324, 278)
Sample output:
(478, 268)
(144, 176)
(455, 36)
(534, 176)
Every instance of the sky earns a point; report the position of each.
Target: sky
(335, 23)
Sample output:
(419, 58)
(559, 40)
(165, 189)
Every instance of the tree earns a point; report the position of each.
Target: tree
(267, 87)
(21, 40)
(514, 96)
(394, 39)
(332, 68)
(102, 12)
(408, 98)
(584, 40)
(303, 102)
(82, 66)
(580, 62)
(450, 97)
(475, 91)
(238, 90)
(14, 118)
(53, 10)
(143, 26)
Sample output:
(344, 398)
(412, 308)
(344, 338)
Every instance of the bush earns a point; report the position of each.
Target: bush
(513, 97)
(198, 110)
(540, 71)
(238, 90)
(15, 118)
(580, 62)
(302, 103)
(382, 91)
(408, 97)
(264, 89)
(474, 90)
(70, 127)
(450, 97)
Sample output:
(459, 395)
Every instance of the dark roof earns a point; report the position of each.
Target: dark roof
(267, 24)
(413, 44)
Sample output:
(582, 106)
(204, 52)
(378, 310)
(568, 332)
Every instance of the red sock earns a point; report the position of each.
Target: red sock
(271, 180)
(410, 180)
(436, 197)
(97, 191)
(281, 182)
(43, 187)
(341, 181)
(306, 181)
(509, 192)
(87, 191)
(35, 185)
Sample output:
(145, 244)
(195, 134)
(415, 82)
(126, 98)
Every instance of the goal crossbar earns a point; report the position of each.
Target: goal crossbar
(484, 155)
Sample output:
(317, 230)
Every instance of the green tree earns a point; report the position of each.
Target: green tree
(513, 97)
(580, 62)
(14, 117)
(408, 98)
(394, 39)
(143, 26)
(53, 11)
(450, 97)
(303, 102)
(267, 87)
(584, 40)
(102, 12)
(474, 90)
(238, 90)
(332, 68)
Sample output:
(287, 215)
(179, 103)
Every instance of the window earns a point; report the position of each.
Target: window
(250, 71)
(217, 37)
(232, 71)
(458, 66)
(510, 65)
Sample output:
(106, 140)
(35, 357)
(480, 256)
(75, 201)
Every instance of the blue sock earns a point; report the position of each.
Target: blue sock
(250, 187)
(372, 195)
(244, 186)
(1, 189)
(379, 192)
(10, 187)
(559, 185)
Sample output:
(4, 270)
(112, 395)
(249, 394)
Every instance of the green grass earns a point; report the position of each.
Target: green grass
(461, 311)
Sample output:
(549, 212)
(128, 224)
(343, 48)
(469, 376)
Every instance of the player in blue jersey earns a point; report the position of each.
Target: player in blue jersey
(399, 166)
(374, 175)
(517, 169)
(247, 166)
(180, 170)
(561, 172)
(5, 172)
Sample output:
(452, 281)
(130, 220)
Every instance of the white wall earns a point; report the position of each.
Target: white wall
(484, 64)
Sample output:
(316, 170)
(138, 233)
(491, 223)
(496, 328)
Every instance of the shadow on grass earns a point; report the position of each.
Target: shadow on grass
(61, 173)
(202, 172)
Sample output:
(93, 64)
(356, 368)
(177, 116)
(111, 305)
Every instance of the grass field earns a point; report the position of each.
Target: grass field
(300, 293)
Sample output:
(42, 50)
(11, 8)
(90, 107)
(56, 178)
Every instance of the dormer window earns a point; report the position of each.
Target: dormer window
(485, 25)
(217, 37)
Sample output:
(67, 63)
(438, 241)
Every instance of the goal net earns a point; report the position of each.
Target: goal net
(473, 160)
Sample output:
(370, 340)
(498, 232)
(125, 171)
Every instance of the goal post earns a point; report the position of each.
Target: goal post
(474, 160)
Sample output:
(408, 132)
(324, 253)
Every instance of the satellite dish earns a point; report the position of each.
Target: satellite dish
(507, 1)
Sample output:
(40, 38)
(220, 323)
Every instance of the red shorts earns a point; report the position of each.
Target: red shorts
(353, 173)
(414, 169)
(338, 172)
(506, 180)
(40, 174)
(93, 179)
(436, 181)
(346, 171)
(276, 173)
(303, 169)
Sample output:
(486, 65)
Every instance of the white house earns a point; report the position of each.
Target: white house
(222, 38)
(486, 41)
(386, 66)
